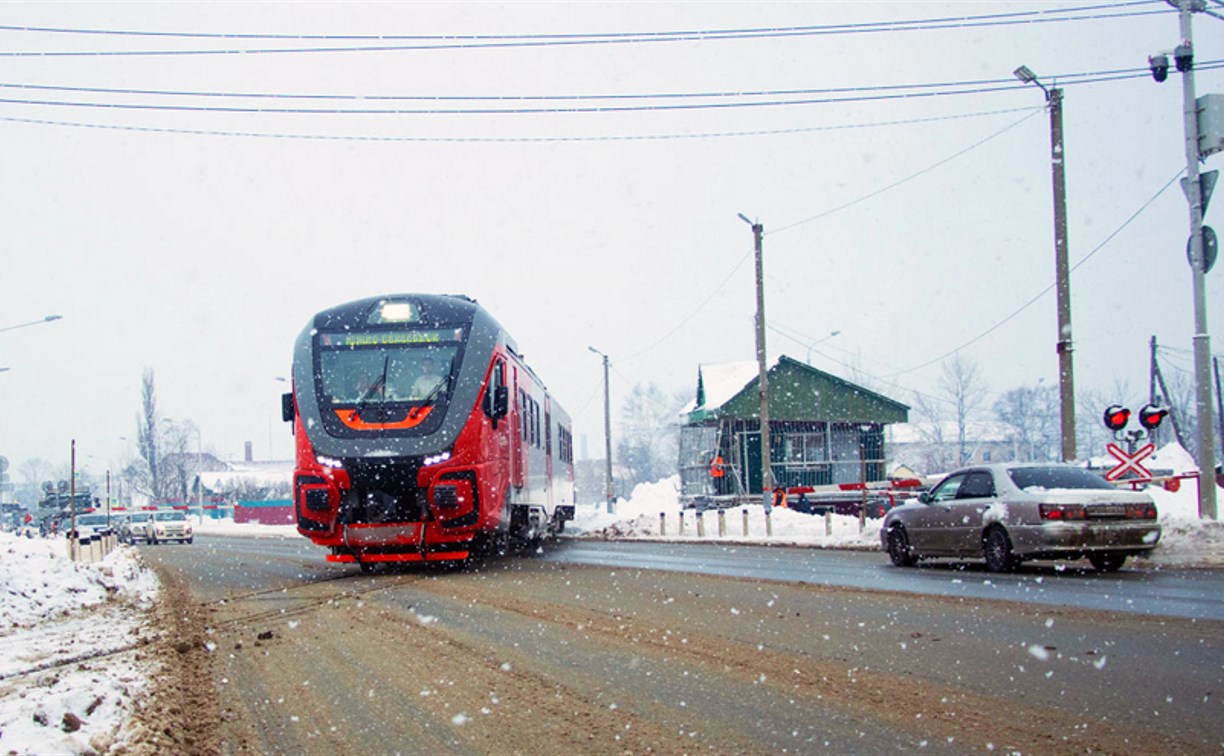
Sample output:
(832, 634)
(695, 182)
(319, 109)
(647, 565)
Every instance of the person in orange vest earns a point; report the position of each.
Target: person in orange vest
(779, 498)
(717, 471)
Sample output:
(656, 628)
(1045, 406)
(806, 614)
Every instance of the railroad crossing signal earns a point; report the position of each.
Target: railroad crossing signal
(1150, 416)
(1130, 462)
(1116, 417)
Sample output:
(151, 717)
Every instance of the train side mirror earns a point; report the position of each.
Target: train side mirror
(287, 407)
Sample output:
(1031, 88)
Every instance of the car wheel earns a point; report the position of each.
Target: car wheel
(1107, 561)
(189, 540)
(899, 549)
(997, 550)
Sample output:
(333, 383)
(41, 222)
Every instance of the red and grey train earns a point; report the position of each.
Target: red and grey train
(421, 433)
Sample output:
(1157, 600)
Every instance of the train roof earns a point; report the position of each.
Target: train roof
(434, 307)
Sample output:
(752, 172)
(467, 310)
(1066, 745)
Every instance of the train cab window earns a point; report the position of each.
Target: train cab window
(496, 394)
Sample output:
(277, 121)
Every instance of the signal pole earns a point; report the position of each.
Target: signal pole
(1202, 341)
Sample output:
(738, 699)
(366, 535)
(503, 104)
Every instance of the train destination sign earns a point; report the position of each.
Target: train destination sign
(391, 338)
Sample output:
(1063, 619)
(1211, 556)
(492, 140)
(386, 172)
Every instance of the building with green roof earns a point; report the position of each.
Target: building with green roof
(824, 430)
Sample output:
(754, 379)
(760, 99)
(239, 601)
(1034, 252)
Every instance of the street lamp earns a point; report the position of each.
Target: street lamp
(818, 342)
(610, 498)
(1062, 272)
(47, 319)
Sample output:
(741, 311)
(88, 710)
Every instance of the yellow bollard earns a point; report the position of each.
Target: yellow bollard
(700, 525)
(768, 525)
(662, 524)
(722, 524)
(681, 522)
(745, 523)
(828, 522)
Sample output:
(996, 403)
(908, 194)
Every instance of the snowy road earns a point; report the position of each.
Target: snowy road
(539, 655)
(1137, 588)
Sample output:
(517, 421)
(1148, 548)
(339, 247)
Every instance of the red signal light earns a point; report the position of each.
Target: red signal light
(1150, 416)
(1116, 417)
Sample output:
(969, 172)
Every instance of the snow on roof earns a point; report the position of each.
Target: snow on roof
(722, 382)
(265, 474)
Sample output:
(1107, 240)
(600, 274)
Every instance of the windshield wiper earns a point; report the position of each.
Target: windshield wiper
(435, 391)
(373, 389)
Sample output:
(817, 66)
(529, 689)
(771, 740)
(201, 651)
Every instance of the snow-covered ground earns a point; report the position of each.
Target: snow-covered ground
(69, 677)
(68, 629)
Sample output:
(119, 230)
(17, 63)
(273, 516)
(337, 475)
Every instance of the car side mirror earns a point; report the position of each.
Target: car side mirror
(925, 497)
(287, 407)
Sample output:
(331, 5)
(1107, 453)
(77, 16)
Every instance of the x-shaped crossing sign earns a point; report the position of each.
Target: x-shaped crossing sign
(1129, 461)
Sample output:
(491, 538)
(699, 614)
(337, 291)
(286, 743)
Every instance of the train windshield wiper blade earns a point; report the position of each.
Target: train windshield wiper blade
(434, 392)
(380, 382)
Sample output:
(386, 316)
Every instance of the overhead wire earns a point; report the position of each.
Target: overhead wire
(1049, 288)
(606, 102)
(406, 43)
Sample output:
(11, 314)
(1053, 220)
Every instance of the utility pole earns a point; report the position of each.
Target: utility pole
(1062, 272)
(610, 497)
(758, 231)
(1202, 341)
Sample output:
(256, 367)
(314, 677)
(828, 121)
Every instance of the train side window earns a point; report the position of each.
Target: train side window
(548, 433)
(535, 424)
(497, 396)
(522, 413)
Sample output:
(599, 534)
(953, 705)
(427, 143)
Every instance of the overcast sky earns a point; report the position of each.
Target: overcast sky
(174, 229)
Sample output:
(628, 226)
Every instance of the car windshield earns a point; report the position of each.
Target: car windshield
(91, 520)
(170, 516)
(1045, 478)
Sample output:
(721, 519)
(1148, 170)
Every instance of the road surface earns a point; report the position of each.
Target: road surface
(599, 648)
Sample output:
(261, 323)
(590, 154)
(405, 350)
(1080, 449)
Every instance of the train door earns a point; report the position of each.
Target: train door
(548, 453)
(517, 426)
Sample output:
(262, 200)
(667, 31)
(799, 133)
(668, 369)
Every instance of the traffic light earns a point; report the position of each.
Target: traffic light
(1151, 415)
(1116, 417)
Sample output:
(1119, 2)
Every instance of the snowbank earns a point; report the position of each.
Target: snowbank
(68, 680)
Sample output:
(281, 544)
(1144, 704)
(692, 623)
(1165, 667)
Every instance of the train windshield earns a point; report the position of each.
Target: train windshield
(368, 369)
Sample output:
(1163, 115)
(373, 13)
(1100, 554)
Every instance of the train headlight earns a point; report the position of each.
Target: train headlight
(331, 462)
(437, 459)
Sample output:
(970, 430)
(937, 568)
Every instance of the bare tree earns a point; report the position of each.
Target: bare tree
(930, 422)
(1032, 414)
(964, 390)
(145, 475)
(1091, 435)
(647, 448)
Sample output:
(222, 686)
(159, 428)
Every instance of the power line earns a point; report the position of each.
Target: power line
(857, 94)
(1047, 289)
(526, 139)
(906, 179)
(407, 43)
(1065, 78)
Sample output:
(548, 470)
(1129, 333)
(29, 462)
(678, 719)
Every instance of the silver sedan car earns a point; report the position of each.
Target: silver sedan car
(1007, 513)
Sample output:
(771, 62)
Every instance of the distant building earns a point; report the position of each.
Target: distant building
(823, 429)
(934, 448)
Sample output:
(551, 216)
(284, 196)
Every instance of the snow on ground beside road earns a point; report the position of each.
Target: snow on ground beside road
(61, 622)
